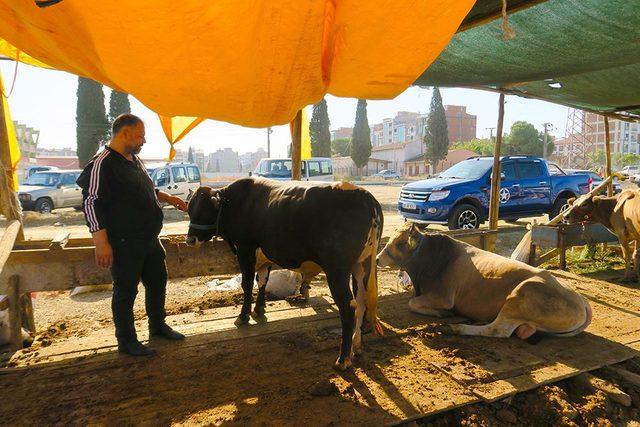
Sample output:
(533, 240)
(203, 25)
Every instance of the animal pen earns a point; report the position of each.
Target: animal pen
(264, 371)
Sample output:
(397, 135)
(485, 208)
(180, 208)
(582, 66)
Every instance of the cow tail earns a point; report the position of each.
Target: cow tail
(372, 280)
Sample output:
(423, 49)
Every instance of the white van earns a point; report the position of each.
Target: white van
(177, 179)
(313, 169)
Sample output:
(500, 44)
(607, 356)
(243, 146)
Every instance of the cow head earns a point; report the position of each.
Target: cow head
(204, 215)
(400, 247)
(586, 211)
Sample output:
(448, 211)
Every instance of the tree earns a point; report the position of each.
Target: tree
(361, 137)
(190, 155)
(436, 138)
(341, 147)
(524, 139)
(482, 147)
(118, 104)
(92, 128)
(319, 130)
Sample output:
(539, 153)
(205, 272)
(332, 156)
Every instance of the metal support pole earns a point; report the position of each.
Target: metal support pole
(296, 148)
(607, 148)
(494, 198)
(269, 132)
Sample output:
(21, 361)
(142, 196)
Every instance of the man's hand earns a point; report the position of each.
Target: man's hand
(104, 252)
(174, 201)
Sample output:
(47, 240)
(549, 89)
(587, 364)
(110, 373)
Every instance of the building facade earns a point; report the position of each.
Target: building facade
(461, 125)
(27, 140)
(341, 133)
(225, 160)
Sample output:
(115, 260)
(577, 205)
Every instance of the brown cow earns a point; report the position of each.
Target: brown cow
(450, 277)
(621, 215)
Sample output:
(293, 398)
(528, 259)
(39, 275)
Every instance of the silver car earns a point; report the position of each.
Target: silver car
(45, 191)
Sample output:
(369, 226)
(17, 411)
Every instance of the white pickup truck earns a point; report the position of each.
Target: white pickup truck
(44, 191)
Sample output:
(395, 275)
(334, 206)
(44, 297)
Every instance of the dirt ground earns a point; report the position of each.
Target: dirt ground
(214, 376)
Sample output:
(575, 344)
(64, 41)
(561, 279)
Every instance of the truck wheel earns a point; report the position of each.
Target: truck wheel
(464, 217)
(44, 206)
(559, 206)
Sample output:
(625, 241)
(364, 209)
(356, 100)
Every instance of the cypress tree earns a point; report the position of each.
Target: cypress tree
(118, 104)
(436, 138)
(319, 130)
(361, 137)
(92, 128)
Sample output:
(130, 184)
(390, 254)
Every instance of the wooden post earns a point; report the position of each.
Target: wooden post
(15, 317)
(9, 204)
(494, 198)
(296, 148)
(607, 148)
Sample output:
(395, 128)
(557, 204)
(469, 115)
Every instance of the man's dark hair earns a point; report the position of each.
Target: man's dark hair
(124, 120)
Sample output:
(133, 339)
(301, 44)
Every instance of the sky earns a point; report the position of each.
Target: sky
(46, 100)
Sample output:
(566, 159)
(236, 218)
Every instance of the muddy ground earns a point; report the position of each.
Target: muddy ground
(60, 317)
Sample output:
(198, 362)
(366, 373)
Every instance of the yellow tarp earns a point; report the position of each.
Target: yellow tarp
(175, 128)
(305, 149)
(14, 148)
(254, 63)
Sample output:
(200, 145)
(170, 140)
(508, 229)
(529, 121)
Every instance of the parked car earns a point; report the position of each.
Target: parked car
(459, 196)
(635, 179)
(177, 179)
(45, 191)
(26, 173)
(629, 171)
(596, 179)
(387, 174)
(313, 169)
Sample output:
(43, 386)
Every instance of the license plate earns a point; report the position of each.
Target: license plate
(410, 206)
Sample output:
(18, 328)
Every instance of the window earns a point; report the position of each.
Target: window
(554, 169)
(193, 174)
(68, 179)
(161, 177)
(314, 168)
(179, 174)
(509, 171)
(529, 169)
(325, 167)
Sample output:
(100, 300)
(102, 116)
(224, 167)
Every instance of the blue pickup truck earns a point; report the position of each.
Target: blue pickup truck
(459, 196)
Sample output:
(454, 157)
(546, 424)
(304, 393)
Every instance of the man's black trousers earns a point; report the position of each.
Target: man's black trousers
(135, 261)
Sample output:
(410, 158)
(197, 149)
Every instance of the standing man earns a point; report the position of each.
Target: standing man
(123, 213)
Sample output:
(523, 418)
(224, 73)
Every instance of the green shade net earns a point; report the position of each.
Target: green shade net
(580, 53)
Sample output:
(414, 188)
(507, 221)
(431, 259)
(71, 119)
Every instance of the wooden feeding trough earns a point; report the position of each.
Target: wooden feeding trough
(563, 236)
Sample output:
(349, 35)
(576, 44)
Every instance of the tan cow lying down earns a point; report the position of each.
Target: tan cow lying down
(450, 277)
(621, 215)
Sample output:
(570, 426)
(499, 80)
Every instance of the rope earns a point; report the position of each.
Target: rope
(507, 31)
(15, 75)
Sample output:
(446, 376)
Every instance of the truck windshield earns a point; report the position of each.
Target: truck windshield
(468, 169)
(43, 178)
(276, 168)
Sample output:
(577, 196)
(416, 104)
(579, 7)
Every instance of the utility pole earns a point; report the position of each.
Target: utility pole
(269, 132)
(490, 133)
(544, 143)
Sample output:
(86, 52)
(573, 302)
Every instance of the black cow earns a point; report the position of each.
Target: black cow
(336, 226)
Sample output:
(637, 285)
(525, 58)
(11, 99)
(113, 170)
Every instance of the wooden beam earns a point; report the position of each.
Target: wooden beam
(47, 270)
(60, 241)
(15, 319)
(7, 241)
(296, 148)
(494, 197)
(607, 148)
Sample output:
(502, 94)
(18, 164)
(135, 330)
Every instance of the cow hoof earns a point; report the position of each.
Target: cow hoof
(241, 320)
(342, 366)
(259, 316)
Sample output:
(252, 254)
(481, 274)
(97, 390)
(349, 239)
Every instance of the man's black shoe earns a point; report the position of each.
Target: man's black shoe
(135, 348)
(165, 331)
